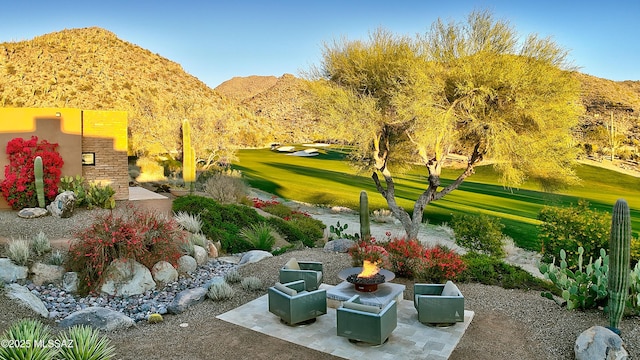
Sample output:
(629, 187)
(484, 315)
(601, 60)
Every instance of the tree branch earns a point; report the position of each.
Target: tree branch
(475, 157)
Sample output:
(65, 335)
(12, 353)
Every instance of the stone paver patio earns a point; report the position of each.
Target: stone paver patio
(410, 340)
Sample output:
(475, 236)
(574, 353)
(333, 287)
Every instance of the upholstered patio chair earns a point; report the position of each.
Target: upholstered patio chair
(438, 303)
(294, 305)
(366, 323)
(309, 271)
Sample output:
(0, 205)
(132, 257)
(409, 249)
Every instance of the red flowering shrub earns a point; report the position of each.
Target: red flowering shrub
(143, 236)
(403, 255)
(439, 264)
(18, 186)
(369, 250)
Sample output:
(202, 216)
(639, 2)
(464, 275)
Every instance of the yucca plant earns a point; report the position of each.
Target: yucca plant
(40, 244)
(19, 250)
(33, 334)
(85, 343)
(260, 235)
(220, 291)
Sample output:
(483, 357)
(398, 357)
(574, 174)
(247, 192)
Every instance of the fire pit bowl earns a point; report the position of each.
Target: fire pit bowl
(365, 284)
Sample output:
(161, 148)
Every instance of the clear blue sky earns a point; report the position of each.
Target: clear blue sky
(217, 40)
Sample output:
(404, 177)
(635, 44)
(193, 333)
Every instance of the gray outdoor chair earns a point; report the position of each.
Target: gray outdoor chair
(366, 323)
(294, 305)
(309, 271)
(438, 303)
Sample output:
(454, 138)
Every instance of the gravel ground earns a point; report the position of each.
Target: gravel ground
(508, 324)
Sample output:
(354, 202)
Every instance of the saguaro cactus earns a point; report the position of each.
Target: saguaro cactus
(619, 255)
(188, 154)
(365, 227)
(39, 176)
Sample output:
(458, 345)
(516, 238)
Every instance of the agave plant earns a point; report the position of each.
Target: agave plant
(85, 343)
(26, 339)
(260, 235)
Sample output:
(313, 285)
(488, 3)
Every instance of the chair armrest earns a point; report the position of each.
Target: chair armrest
(428, 289)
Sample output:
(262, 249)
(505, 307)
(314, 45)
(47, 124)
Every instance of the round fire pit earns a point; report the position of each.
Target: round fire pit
(365, 284)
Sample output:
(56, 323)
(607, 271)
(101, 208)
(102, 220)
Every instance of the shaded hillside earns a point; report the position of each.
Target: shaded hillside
(242, 88)
(91, 68)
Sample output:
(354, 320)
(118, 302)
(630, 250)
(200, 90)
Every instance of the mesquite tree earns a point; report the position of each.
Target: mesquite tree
(467, 89)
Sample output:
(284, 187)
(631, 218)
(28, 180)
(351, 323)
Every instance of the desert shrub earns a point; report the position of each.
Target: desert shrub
(27, 331)
(82, 342)
(382, 216)
(76, 184)
(190, 222)
(220, 222)
(572, 227)
(18, 186)
(40, 244)
(308, 229)
(19, 250)
(404, 255)
(56, 258)
(134, 234)
(488, 270)
(584, 288)
(100, 196)
(232, 277)
(479, 232)
(370, 250)
(437, 265)
(312, 229)
(260, 235)
(199, 239)
(635, 250)
(226, 187)
(290, 231)
(251, 283)
(220, 291)
(187, 248)
(278, 209)
(634, 290)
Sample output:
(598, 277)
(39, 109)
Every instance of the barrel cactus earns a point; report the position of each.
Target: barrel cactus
(619, 257)
(365, 227)
(39, 177)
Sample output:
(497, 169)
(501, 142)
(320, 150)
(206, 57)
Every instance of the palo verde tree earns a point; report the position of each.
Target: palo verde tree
(473, 89)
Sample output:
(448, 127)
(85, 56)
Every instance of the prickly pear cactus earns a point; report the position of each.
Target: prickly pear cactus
(365, 227)
(39, 176)
(619, 257)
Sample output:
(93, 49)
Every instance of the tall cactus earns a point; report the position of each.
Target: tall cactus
(365, 227)
(39, 176)
(188, 154)
(619, 255)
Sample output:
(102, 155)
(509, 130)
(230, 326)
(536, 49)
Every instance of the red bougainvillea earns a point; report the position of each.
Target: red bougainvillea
(18, 186)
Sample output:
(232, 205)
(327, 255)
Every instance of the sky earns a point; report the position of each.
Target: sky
(217, 40)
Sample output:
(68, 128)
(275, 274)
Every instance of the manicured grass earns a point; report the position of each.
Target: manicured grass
(328, 179)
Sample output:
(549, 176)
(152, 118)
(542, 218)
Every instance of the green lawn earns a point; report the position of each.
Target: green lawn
(329, 180)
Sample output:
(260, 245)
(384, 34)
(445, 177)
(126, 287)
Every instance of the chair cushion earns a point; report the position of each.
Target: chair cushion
(450, 289)
(361, 307)
(284, 289)
(292, 264)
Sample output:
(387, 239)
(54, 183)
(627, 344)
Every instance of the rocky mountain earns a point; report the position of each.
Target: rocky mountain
(92, 68)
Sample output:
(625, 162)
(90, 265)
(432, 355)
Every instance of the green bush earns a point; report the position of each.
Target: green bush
(220, 222)
(479, 232)
(291, 232)
(226, 187)
(77, 185)
(488, 270)
(312, 229)
(278, 209)
(100, 196)
(40, 244)
(85, 343)
(19, 251)
(251, 283)
(573, 227)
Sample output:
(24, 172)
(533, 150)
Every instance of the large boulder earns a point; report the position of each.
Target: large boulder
(63, 205)
(187, 298)
(339, 245)
(187, 264)
(98, 318)
(127, 277)
(10, 272)
(200, 254)
(46, 274)
(598, 342)
(70, 281)
(25, 298)
(253, 256)
(163, 273)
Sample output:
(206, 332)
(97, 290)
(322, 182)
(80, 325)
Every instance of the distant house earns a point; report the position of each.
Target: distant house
(92, 143)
